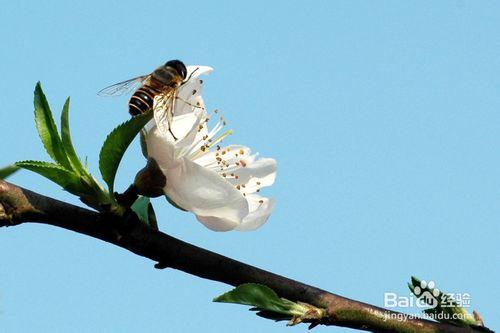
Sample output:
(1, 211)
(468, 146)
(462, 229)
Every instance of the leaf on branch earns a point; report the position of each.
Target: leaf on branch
(257, 295)
(67, 143)
(8, 171)
(116, 144)
(140, 207)
(444, 307)
(68, 180)
(67, 171)
(270, 305)
(47, 129)
(144, 210)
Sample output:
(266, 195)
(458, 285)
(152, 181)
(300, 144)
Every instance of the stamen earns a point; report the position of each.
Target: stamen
(197, 154)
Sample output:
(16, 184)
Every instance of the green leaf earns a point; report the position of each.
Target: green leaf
(141, 208)
(144, 210)
(116, 144)
(68, 180)
(259, 296)
(444, 307)
(8, 171)
(67, 142)
(270, 305)
(47, 128)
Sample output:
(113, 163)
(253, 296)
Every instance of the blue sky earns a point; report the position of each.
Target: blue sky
(383, 117)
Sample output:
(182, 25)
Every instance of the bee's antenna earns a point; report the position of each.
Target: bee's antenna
(190, 75)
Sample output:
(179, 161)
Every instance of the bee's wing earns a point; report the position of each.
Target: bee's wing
(164, 108)
(123, 87)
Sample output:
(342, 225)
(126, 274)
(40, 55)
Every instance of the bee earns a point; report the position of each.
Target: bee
(163, 84)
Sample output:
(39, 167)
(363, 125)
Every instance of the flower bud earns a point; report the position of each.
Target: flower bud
(150, 181)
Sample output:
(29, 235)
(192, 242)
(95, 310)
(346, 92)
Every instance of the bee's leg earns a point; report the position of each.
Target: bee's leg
(170, 130)
(191, 105)
(170, 116)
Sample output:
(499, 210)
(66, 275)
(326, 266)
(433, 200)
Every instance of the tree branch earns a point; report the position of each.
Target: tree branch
(18, 205)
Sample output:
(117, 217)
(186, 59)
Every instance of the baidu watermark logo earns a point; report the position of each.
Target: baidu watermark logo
(427, 295)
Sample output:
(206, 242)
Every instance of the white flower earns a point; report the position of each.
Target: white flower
(218, 184)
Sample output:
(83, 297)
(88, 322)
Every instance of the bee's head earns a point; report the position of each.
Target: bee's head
(178, 66)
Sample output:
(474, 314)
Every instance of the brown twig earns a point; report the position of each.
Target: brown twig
(18, 205)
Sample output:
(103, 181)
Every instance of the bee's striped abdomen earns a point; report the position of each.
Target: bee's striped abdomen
(142, 100)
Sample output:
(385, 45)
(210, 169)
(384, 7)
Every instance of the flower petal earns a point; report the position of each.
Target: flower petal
(160, 148)
(193, 134)
(255, 175)
(236, 164)
(189, 97)
(217, 224)
(260, 209)
(198, 70)
(184, 126)
(204, 192)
